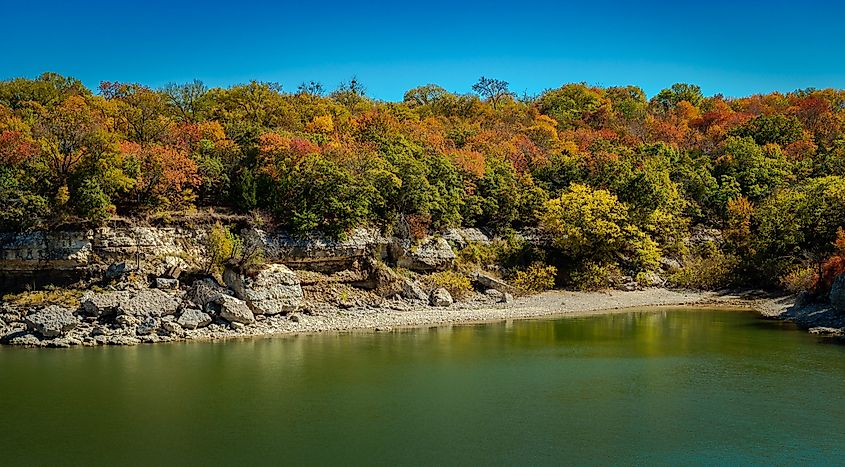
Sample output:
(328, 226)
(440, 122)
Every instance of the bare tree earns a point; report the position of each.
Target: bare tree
(491, 89)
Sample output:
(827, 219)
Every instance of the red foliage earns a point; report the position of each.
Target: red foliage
(15, 149)
(835, 265)
(165, 172)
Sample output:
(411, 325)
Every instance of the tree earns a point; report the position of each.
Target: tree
(667, 99)
(424, 95)
(312, 88)
(188, 99)
(491, 89)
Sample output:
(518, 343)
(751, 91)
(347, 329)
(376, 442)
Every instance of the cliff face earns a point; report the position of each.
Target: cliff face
(61, 257)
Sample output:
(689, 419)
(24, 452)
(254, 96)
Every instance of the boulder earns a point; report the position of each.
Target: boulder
(205, 291)
(651, 279)
(116, 270)
(412, 290)
(234, 310)
(145, 302)
(104, 304)
(486, 281)
(172, 328)
(837, 294)
(494, 295)
(52, 321)
(165, 283)
(192, 318)
(274, 289)
(382, 280)
(171, 267)
(147, 326)
(431, 254)
(126, 321)
(440, 297)
(150, 302)
(462, 238)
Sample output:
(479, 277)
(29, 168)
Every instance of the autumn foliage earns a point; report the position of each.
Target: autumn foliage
(617, 180)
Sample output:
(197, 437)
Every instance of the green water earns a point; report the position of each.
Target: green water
(658, 387)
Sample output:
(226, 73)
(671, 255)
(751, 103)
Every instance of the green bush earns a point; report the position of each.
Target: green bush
(537, 278)
(800, 279)
(709, 270)
(458, 285)
(596, 276)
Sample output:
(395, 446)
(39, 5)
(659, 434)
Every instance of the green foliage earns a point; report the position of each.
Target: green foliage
(220, 245)
(592, 225)
(92, 203)
(709, 269)
(768, 129)
(592, 275)
(458, 285)
(611, 180)
(536, 278)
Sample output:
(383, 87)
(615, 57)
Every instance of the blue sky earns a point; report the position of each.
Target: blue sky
(735, 48)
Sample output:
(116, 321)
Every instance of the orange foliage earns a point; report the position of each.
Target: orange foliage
(165, 172)
(469, 161)
(15, 149)
(834, 266)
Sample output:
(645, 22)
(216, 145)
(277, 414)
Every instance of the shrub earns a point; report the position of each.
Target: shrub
(458, 285)
(537, 278)
(220, 246)
(799, 279)
(62, 297)
(708, 271)
(596, 276)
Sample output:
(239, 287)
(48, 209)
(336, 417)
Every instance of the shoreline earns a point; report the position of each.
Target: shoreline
(550, 305)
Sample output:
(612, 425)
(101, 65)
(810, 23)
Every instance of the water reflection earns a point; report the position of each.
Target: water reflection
(664, 386)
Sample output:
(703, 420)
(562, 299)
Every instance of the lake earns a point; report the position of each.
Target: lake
(663, 386)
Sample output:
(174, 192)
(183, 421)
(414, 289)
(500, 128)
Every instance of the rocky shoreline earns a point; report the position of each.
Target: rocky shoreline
(394, 314)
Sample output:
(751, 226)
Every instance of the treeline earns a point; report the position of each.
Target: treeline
(617, 181)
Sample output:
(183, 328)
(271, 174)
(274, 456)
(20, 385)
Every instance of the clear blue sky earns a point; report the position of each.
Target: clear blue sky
(732, 47)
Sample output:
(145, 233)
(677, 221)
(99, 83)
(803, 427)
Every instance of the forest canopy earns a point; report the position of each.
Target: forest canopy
(614, 178)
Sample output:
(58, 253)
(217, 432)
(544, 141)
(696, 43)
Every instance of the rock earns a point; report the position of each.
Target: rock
(116, 270)
(295, 317)
(126, 321)
(412, 290)
(508, 298)
(104, 304)
(382, 280)
(827, 331)
(165, 283)
(440, 297)
(147, 326)
(172, 328)
(494, 295)
(193, 318)
(274, 289)
(670, 264)
(837, 294)
(651, 279)
(52, 321)
(24, 339)
(487, 281)
(150, 302)
(205, 291)
(234, 310)
(172, 267)
(462, 238)
(629, 286)
(145, 302)
(431, 254)
(236, 326)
